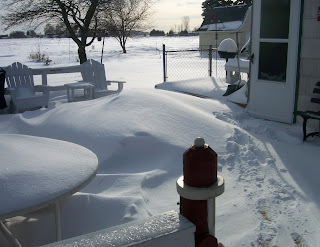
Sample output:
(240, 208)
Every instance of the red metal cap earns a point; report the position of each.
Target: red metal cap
(200, 165)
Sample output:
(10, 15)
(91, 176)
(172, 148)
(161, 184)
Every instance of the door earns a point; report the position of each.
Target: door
(275, 40)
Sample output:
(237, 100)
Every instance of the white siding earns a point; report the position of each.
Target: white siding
(310, 59)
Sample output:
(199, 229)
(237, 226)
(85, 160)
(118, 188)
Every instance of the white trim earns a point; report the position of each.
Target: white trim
(201, 193)
(265, 40)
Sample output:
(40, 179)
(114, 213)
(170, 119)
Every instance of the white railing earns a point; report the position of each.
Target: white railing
(168, 229)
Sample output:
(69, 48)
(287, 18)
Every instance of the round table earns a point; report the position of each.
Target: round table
(37, 171)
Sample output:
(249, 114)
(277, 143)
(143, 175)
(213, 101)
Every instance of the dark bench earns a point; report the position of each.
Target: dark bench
(311, 114)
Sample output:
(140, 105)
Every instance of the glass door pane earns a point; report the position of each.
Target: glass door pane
(274, 38)
(273, 61)
(275, 19)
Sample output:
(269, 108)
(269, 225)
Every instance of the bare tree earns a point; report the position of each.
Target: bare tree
(185, 22)
(124, 16)
(79, 17)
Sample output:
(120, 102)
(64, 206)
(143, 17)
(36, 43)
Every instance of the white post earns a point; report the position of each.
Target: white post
(212, 215)
(44, 77)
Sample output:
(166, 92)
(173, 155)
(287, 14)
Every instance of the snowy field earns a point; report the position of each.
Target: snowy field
(139, 136)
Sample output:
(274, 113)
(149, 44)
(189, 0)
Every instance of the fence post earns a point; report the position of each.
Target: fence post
(164, 63)
(210, 60)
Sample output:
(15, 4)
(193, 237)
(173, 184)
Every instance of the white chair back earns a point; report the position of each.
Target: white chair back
(19, 75)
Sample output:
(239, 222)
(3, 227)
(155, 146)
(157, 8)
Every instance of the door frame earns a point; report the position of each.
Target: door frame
(260, 89)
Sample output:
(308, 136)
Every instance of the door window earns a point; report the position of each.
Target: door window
(273, 61)
(274, 38)
(275, 16)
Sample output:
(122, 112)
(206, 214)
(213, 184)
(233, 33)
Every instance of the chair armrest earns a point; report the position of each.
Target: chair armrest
(116, 81)
(120, 84)
(45, 89)
(12, 92)
(8, 90)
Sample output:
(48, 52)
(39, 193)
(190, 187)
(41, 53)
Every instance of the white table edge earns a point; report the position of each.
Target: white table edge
(33, 208)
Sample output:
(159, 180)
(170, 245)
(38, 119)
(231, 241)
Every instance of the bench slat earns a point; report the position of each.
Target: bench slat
(316, 90)
(309, 114)
(315, 100)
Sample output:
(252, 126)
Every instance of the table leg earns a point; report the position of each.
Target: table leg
(72, 94)
(68, 94)
(87, 92)
(92, 92)
(58, 221)
(9, 236)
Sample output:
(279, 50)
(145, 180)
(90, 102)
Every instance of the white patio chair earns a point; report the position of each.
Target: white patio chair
(24, 94)
(94, 73)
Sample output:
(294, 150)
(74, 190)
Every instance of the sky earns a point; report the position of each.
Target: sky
(168, 14)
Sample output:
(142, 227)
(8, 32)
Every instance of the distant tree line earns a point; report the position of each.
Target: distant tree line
(21, 34)
(183, 28)
(17, 35)
(56, 30)
(157, 33)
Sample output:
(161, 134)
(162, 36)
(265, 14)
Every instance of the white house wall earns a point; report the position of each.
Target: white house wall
(246, 26)
(310, 58)
(208, 38)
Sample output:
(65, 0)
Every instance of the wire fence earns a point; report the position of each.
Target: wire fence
(191, 64)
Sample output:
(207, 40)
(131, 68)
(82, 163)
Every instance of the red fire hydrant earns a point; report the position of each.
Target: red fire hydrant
(198, 188)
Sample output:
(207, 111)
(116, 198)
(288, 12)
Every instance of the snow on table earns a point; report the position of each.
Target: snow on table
(36, 171)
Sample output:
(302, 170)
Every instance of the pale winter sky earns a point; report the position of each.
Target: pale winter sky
(168, 14)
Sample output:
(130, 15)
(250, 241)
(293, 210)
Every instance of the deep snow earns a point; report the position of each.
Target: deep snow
(139, 136)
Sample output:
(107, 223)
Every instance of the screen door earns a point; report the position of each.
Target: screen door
(275, 40)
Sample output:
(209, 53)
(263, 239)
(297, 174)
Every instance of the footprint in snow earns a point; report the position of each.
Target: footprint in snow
(130, 212)
(298, 240)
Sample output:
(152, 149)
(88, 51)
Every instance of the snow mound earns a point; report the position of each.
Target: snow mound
(228, 45)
